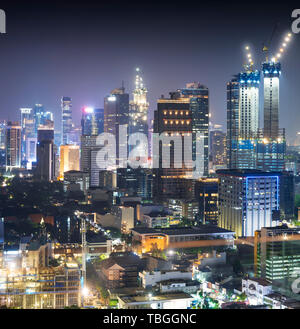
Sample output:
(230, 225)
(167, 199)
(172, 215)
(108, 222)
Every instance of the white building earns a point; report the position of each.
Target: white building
(150, 279)
(256, 289)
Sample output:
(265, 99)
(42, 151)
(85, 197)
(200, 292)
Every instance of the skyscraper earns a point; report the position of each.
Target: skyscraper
(243, 119)
(138, 120)
(28, 132)
(45, 169)
(66, 108)
(41, 116)
(13, 145)
(218, 149)
(185, 113)
(271, 143)
(116, 113)
(92, 121)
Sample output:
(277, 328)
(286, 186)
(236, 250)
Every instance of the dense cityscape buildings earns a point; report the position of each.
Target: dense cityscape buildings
(127, 205)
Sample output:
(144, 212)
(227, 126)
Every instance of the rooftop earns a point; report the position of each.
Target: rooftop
(245, 172)
(196, 230)
(157, 298)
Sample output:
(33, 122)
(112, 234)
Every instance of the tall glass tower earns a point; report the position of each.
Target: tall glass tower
(139, 107)
(243, 119)
(66, 108)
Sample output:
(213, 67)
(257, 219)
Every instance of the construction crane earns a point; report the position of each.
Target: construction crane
(267, 45)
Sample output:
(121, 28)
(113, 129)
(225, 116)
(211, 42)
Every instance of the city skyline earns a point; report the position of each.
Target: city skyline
(86, 64)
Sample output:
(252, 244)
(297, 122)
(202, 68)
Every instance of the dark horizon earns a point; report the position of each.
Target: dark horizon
(85, 50)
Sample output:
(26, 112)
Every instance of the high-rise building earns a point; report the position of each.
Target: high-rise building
(116, 113)
(135, 182)
(28, 132)
(92, 124)
(139, 107)
(41, 116)
(277, 253)
(69, 159)
(218, 149)
(185, 113)
(13, 145)
(242, 119)
(271, 143)
(248, 200)
(206, 193)
(66, 108)
(3, 125)
(45, 169)
(92, 121)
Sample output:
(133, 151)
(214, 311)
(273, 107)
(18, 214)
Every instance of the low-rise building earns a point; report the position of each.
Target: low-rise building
(146, 239)
(150, 279)
(162, 301)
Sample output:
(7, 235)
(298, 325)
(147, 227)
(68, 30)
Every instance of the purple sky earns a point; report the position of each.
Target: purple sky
(85, 51)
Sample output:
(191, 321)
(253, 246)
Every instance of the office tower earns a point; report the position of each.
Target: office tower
(243, 119)
(92, 124)
(271, 143)
(13, 145)
(69, 159)
(173, 116)
(248, 200)
(199, 105)
(45, 169)
(116, 113)
(92, 121)
(277, 253)
(31, 144)
(28, 131)
(135, 182)
(287, 195)
(75, 135)
(218, 149)
(3, 125)
(66, 109)
(41, 116)
(206, 193)
(139, 107)
(185, 113)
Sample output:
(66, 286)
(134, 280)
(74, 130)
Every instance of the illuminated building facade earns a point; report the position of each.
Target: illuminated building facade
(248, 200)
(271, 145)
(66, 109)
(13, 145)
(139, 106)
(185, 113)
(277, 253)
(3, 125)
(92, 121)
(41, 117)
(206, 193)
(242, 120)
(69, 159)
(218, 149)
(116, 113)
(49, 288)
(45, 152)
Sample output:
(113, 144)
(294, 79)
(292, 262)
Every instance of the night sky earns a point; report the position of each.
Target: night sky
(84, 50)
